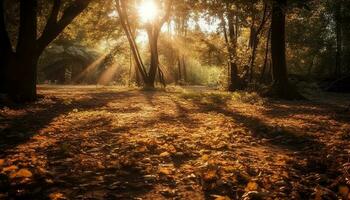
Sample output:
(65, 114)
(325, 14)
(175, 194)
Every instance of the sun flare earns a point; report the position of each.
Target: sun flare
(148, 10)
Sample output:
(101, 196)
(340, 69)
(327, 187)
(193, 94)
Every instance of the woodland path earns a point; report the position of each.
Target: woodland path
(118, 143)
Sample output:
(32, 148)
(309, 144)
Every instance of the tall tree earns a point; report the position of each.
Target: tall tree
(21, 67)
(230, 33)
(153, 30)
(339, 41)
(281, 87)
(5, 49)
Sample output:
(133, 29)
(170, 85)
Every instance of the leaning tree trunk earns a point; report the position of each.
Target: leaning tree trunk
(281, 87)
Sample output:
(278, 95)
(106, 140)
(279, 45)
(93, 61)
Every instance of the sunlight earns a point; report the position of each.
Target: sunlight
(148, 11)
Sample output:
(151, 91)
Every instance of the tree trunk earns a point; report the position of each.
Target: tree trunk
(22, 74)
(281, 87)
(179, 77)
(5, 50)
(231, 43)
(183, 61)
(153, 42)
(338, 27)
(23, 78)
(266, 58)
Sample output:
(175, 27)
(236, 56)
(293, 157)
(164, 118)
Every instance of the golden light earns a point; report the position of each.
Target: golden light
(148, 10)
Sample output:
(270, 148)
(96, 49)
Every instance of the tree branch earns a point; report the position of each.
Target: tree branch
(54, 26)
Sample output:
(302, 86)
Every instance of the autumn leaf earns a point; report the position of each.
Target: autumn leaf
(251, 186)
(343, 190)
(164, 154)
(218, 197)
(10, 168)
(164, 171)
(56, 196)
(22, 173)
(210, 175)
(2, 162)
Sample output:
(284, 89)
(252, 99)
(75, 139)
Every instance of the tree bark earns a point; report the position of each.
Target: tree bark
(281, 87)
(22, 71)
(184, 70)
(266, 58)
(5, 50)
(153, 42)
(22, 64)
(339, 43)
(254, 41)
(234, 83)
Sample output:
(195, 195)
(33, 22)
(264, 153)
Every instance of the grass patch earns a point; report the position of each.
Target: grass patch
(223, 97)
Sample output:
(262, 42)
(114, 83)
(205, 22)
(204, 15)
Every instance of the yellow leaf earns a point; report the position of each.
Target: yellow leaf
(172, 149)
(210, 175)
(164, 171)
(251, 186)
(23, 173)
(164, 154)
(205, 157)
(2, 162)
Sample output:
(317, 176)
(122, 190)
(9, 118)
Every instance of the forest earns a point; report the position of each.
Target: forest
(175, 99)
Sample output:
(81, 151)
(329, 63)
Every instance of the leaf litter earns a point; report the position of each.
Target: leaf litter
(117, 143)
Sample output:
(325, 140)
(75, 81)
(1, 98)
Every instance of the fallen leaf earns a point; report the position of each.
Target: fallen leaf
(205, 158)
(164, 154)
(251, 186)
(56, 196)
(210, 175)
(10, 168)
(164, 171)
(2, 162)
(22, 173)
(343, 190)
(218, 197)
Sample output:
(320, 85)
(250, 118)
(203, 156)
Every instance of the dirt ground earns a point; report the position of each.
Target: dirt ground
(120, 143)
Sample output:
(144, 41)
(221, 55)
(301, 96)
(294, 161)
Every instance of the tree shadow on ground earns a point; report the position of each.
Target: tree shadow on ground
(36, 116)
(287, 109)
(287, 139)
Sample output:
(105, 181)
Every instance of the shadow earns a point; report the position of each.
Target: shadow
(306, 108)
(20, 128)
(289, 139)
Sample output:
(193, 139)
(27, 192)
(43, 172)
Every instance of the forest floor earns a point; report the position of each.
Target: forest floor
(119, 143)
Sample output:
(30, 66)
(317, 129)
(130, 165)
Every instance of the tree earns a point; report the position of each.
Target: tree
(153, 30)
(281, 87)
(21, 65)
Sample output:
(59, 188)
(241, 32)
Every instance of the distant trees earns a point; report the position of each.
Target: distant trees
(20, 63)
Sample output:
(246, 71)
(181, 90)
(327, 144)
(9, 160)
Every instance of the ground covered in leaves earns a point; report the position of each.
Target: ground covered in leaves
(120, 143)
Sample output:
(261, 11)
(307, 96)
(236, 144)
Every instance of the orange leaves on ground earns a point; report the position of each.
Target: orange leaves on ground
(344, 191)
(251, 186)
(22, 173)
(56, 196)
(165, 171)
(10, 169)
(165, 154)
